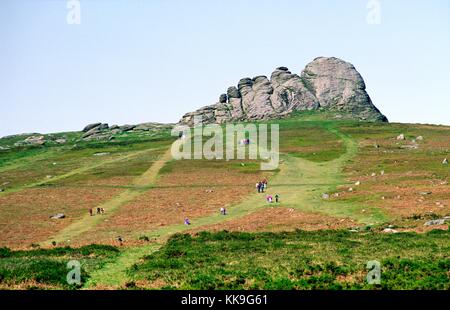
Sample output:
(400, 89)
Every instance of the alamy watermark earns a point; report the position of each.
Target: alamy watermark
(230, 142)
(74, 275)
(374, 274)
(374, 13)
(74, 12)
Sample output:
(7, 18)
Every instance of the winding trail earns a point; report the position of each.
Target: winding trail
(300, 184)
(139, 186)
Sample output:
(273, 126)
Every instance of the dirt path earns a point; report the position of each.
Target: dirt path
(300, 184)
(139, 186)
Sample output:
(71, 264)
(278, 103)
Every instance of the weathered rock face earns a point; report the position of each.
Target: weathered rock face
(338, 86)
(328, 84)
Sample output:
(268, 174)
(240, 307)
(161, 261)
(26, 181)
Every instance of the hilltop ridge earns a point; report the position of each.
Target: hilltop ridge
(326, 83)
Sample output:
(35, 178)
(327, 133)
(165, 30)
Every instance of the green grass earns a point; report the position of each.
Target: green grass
(318, 155)
(49, 266)
(32, 166)
(298, 260)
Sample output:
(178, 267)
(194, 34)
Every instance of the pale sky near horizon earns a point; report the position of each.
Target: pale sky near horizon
(137, 61)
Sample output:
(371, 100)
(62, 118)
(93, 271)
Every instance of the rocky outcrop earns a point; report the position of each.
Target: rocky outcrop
(101, 131)
(33, 140)
(328, 84)
(91, 126)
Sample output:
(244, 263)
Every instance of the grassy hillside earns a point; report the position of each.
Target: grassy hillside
(297, 260)
(334, 176)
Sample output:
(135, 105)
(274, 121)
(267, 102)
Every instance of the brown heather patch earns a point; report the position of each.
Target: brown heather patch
(163, 206)
(213, 176)
(276, 219)
(25, 215)
(29, 285)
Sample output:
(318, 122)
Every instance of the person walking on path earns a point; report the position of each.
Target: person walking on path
(187, 222)
(120, 239)
(91, 213)
(277, 198)
(223, 211)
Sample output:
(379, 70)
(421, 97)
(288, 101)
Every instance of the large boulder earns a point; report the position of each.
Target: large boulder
(91, 132)
(338, 86)
(91, 126)
(35, 140)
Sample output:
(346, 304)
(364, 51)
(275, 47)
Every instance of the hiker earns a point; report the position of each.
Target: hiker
(98, 211)
(187, 222)
(261, 184)
(120, 240)
(258, 187)
(91, 212)
(102, 210)
(269, 199)
(277, 198)
(223, 211)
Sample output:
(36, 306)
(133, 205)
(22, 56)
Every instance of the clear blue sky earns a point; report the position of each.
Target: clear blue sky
(132, 61)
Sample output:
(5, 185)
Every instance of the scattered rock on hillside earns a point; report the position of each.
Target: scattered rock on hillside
(445, 161)
(425, 193)
(61, 141)
(325, 196)
(1, 190)
(127, 127)
(36, 140)
(91, 132)
(32, 140)
(401, 137)
(390, 230)
(419, 138)
(358, 183)
(435, 222)
(57, 216)
(152, 126)
(91, 126)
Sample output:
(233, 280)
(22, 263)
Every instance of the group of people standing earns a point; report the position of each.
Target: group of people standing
(261, 186)
(99, 211)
